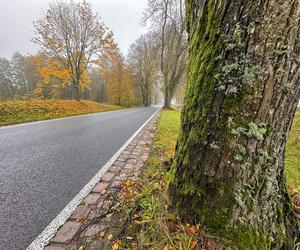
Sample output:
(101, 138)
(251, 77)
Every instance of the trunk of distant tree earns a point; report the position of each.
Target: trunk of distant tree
(242, 94)
(146, 94)
(148, 98)
(76, 83)
(168, 97)
(77, 91)
(120, 92)
(102, 94)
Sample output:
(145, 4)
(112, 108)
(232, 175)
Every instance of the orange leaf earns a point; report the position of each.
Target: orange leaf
(194, 244)
(192, 230)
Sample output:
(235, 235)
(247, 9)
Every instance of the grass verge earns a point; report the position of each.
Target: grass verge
(292, 155)
(14, 112)
(150, 223)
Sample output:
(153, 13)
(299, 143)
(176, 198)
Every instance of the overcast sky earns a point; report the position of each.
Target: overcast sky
(16, 22)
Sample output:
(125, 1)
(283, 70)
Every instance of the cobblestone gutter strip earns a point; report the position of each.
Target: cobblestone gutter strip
(91, 220)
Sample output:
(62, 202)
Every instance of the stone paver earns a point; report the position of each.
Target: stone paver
(81, 213)
(54, 248)
(123, 158)
(119, 164)
(116, 183)
(128, 166)
(94, 229)
(92, 219)
(108, 176)
(100, 187)
(92, 198)
(66, 233)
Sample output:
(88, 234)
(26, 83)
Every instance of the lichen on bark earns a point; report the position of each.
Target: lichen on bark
(241, 97)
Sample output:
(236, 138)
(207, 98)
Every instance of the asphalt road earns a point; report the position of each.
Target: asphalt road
(44, 165)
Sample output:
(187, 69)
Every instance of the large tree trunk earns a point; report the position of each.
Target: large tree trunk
(147, 96)
(242, 94)
(167, 101)
(76, 85)
(77, 92)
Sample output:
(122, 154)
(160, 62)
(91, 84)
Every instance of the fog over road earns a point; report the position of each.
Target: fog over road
(44, 165)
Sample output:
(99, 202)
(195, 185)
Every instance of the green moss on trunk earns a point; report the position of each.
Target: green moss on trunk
(228, 167)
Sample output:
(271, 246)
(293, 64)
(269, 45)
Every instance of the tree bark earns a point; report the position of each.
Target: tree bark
(146, 95)
(77, 90)
(168, 97)
(242, 94)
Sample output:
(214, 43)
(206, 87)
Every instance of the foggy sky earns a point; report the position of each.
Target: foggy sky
(17, 16)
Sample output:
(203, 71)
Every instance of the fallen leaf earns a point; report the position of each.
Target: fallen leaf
(115, 246)
(194, 244)
(191, 230)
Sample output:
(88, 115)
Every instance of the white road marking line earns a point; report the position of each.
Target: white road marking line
(48, 233)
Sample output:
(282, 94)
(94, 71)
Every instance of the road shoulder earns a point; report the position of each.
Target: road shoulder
(91, 215)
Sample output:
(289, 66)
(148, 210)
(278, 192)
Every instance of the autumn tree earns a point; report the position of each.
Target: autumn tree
(143, 59)
(117, 75)
(118, 82)
(72, 34)
(54, 78)
(167, 17)
(242, 94)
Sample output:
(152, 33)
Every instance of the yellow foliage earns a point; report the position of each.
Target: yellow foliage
(118, 77)
(12, 112)
(54, 76)
(119, 87)
(49, 68)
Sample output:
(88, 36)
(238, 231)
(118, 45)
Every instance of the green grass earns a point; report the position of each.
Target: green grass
(166, 139)
(292, 155)
(154, 225)
(166, 136)
(150, 228)
(14, 112)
